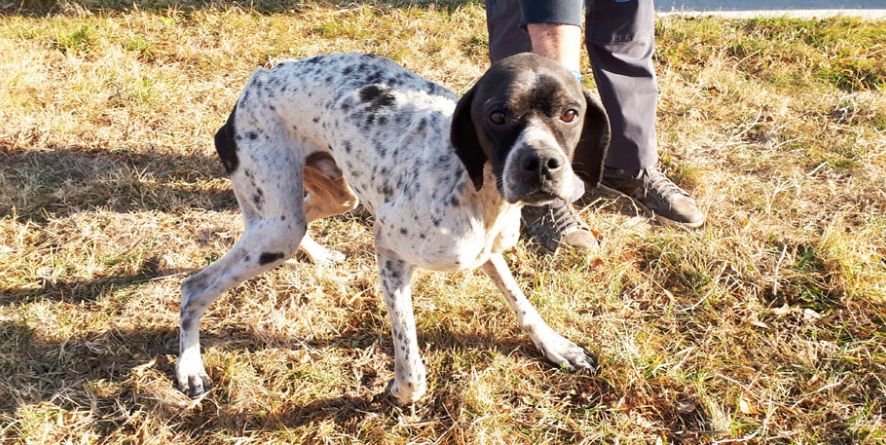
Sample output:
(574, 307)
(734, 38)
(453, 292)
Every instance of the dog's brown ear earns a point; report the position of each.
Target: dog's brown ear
(590, 154)
(463, 135)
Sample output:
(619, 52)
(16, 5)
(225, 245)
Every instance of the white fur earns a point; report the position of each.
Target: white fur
(401, 165)
(535, 135)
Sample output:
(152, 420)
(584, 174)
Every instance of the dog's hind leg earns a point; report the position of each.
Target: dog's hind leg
(554, 347)
(269, 189)
(262, 246)
(328, 195)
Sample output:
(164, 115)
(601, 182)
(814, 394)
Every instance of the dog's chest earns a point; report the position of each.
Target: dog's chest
(447, 241)
(425, 206)
(447, 225)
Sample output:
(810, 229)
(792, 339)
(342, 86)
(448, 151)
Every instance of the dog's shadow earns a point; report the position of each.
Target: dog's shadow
(61, 181)
(600, 199)
(57, 182)
(375, 400)
(115, 356)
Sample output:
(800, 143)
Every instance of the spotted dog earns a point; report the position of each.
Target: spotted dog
(445, 178)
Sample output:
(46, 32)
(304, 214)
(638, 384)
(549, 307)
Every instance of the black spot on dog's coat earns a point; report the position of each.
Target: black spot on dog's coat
(226, 144)
(187, 322)
(258, 198)
(267, 258)
(377, 97)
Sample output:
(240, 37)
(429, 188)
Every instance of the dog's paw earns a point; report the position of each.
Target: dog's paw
(328, 258)
(563, 352)
(192, 379)
(406, 395)
(318, 254)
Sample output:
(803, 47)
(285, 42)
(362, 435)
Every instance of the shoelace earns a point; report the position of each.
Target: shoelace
(565, 218)
(661, 184)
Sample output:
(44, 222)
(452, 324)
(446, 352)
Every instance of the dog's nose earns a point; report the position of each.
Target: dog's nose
(542, 164)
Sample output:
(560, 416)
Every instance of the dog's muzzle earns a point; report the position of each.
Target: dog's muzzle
(538, 176)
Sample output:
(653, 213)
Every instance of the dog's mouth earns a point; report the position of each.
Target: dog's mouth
(536, 196)
(541, 197)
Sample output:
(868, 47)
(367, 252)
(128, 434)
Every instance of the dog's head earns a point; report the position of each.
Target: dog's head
(526, 116)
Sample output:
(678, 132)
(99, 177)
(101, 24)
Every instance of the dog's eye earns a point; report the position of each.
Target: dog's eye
(568, 115)
(497, 117)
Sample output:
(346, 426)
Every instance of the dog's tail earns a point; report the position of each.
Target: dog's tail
(226, 145)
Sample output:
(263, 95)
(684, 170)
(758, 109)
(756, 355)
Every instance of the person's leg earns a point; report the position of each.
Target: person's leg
(620, 37)
(506, 34)
(557, 224)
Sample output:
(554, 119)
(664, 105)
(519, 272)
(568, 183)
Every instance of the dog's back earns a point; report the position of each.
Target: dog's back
(384, 125)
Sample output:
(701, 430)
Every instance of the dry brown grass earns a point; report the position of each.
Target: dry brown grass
(765, 325)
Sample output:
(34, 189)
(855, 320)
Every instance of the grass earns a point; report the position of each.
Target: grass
(766, 325)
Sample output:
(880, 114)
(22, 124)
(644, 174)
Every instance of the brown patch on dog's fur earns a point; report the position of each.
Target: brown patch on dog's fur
(328, 192)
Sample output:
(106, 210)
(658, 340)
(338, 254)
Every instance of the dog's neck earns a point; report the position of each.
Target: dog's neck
(488, 203)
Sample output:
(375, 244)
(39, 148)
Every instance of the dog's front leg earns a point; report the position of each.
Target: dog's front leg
(409, 372)
(556, 348)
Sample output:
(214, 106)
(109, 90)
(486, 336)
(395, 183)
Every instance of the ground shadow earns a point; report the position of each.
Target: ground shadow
(60, 181)
(107, 355)
(599, 198)
(36, 370)
(78, 291)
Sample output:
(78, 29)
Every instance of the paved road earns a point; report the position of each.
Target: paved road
(799, 8)
(763, 5)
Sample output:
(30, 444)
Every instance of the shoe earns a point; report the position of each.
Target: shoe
(556, 225)
(654, 192)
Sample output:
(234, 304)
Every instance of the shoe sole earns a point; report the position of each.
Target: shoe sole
(662, 219)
